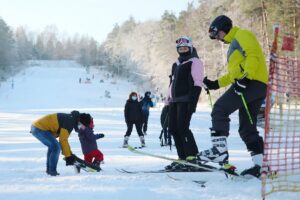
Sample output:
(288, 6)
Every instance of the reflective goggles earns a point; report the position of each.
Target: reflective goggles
(213, 32)
(182, 41)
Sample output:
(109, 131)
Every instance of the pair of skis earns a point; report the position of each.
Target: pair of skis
(200, 182)
(228, 170)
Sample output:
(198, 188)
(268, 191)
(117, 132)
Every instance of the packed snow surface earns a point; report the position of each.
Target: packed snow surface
(53, 86)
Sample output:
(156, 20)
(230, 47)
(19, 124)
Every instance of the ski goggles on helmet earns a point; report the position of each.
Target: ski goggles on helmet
(184, 42)
(213, 32)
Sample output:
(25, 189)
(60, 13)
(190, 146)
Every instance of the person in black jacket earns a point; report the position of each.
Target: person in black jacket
(133, 116)
(184, 91)
(165, 137)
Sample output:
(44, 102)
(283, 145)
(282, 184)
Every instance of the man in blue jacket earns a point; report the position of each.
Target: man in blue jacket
(146, 104)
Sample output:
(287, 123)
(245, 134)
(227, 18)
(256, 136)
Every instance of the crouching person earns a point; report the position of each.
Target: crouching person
(88, 141)
(50, 127)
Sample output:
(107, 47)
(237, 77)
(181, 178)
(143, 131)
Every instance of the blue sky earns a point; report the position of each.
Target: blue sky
(89, 17)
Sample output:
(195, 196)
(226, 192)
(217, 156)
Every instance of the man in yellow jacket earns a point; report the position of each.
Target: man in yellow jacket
(50, 127)
(247, 76)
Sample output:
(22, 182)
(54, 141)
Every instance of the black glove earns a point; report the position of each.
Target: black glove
(70, 160)
(210, 85)
(241, 85)
(99, 135)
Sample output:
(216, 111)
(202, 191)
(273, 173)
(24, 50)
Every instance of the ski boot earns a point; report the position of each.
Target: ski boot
(125, 143)
(218, 153)
(254, 171)
(142, 139)
(175, 167)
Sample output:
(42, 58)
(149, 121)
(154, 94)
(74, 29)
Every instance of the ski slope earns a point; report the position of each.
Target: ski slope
(53, 86)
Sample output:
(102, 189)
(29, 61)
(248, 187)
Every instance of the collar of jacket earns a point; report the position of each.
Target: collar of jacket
(229, 37)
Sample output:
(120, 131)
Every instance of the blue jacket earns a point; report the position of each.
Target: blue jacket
(146, 104)
(87, 140)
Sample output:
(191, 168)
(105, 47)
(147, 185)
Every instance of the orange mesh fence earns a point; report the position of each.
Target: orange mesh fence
(281, 168)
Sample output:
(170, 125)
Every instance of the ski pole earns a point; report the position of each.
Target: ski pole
(209, 97)
(246, 108)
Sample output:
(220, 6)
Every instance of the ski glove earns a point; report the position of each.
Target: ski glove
(70, 160)
(241, 85)
(210, 85)
(99, 135)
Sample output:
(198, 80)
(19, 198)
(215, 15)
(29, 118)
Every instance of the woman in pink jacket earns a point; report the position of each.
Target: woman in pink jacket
(184, 91)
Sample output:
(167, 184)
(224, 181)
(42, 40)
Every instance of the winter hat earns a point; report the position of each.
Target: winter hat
(85, 119)
(148, 93)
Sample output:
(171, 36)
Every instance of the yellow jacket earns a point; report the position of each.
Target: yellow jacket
(60, 125)
(244, 56)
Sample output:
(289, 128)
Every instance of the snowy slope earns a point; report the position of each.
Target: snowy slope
(53, 86)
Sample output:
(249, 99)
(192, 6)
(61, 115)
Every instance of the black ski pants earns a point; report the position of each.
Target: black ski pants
(230, 102)
(179, 127)
(138, 126)
(145, 122)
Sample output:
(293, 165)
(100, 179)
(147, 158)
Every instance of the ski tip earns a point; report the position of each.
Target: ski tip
(130, 148)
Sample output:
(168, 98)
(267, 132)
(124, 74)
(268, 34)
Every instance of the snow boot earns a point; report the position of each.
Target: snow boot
(142, 141)
(254, 171)
(218, 153)
(55, 173)
(97, 164)
(125, 143)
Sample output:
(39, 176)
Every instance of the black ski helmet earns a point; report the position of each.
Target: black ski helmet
(220, 23)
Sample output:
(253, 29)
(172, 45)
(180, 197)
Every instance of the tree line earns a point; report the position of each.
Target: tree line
(145, 51)
(148, 48)
(20, 45)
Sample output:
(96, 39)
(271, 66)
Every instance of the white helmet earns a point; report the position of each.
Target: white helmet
(184, 41)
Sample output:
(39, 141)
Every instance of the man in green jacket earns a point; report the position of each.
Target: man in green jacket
(247, 77)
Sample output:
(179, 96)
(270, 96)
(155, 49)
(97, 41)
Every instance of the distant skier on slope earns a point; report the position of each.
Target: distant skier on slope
(184, 91)
(88, 141)
(248, 76)
(133, 116)
(57, 125)
(147, 103)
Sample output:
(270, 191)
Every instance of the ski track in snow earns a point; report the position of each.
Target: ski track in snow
(52, 86)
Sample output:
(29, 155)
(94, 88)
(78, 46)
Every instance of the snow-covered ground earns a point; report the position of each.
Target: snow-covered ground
(53, 86)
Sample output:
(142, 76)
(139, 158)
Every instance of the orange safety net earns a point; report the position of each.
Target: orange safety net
(281, 168)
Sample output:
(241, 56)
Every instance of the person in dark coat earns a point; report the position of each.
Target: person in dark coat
(165, 136)
(133, 116)
(88, 139)
(183, 94)
(146, 104)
